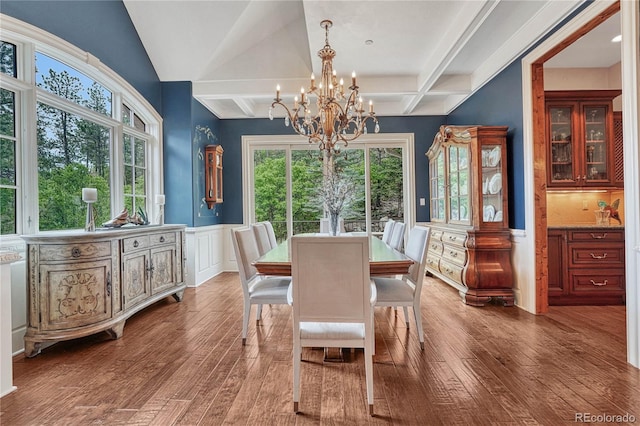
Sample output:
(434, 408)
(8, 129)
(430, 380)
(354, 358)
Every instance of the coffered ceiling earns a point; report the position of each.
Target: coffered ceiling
(411, 57)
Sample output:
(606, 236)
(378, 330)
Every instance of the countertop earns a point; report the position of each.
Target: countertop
(586, 226)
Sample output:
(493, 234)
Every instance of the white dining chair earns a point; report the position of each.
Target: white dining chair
(406, 291)
(332, 294)
(262, 237)
(397, 237)
(325, 225)
(256, 289)
(272, 235)
(388, 231)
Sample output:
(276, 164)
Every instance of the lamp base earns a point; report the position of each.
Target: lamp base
(90, 223)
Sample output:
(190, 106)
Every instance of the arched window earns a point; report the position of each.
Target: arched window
(68, 122)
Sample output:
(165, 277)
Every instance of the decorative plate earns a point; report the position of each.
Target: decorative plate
(495, 184)
(489, 212)
(494, 156)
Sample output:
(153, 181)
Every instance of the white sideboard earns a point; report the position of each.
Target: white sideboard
(80, 283)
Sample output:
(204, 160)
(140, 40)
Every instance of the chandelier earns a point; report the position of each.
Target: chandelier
(339, 117)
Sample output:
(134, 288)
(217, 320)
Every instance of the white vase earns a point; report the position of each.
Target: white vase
(334, 224)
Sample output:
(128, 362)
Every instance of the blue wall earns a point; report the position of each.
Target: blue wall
(184, 156)
(231, 132)
(499, 103)
(100, 27)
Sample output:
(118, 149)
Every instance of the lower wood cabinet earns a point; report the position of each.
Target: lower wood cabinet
(586, 266)
(81, 283)
(476, 262)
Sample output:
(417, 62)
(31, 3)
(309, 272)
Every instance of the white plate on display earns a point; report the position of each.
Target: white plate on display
(495, 184)
(498, 216)
(488, 213)
(494, 156)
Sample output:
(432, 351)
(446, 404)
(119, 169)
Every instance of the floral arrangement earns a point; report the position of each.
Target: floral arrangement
(613, 209)
(336, 192)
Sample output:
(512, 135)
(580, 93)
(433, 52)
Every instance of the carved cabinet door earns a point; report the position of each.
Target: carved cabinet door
(75, 295)
(163, 270)
(135, 278)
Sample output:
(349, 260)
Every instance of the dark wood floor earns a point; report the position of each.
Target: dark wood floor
(183, 363)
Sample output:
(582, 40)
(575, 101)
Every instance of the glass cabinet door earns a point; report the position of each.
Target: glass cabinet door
(560, 135)
(437, 178)
(595, 131)
(458, 195)
(492, 178)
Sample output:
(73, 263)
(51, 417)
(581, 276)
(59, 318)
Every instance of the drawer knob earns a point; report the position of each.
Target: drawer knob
(135, 243)
(595, 256)
(599, 284)
(453, 253)
(162, 239)
(598, 237)
(75, 252)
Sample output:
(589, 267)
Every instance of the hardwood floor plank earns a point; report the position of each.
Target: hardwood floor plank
(183, 364)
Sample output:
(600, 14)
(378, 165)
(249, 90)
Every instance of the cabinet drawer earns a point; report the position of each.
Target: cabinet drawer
(435, 234)
(452, 271)
(163, 238)
(596, 235)
(433, 262)
(600, 281)
(81, 251)
(135, 243)
(596, 255)
(455, 255)
(454, 239)
(435, 247)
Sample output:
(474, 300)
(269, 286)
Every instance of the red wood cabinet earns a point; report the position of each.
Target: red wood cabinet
(586, 266)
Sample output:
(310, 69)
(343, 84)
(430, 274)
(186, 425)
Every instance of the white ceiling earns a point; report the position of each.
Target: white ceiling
(427, 56)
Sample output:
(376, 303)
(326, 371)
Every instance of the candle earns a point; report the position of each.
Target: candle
(295, 102)
(278, 91)
(302, 95)
(353, 79)
(370, 106)
(313, 81)
(89, 195)
(160, 199)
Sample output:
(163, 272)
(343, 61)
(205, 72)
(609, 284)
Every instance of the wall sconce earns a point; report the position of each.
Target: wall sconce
(213, 174)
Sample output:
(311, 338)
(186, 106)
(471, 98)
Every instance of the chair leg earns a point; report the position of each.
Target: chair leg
(245, 322)
(297, 354)
(368, 368)
(418, 316)
(258, 314)
(406, 315)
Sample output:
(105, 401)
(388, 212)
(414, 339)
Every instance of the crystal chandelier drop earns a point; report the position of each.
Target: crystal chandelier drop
(339, 118)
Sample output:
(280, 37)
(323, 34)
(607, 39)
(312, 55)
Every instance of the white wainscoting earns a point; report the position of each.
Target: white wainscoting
(207, 248)
(524, 290)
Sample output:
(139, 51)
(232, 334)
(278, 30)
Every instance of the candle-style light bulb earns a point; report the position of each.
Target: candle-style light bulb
(302, 95)
(313, 80)
(370, 106)
(295, 102)
(353, 78)
(278, 91)
(360, 104)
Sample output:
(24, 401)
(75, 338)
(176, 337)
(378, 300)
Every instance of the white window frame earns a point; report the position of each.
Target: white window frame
(405, 141)
(28, 39)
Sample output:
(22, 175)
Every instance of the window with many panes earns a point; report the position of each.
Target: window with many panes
(88, 130)
(284, 173)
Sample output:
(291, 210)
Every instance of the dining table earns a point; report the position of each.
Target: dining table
(383, 259)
